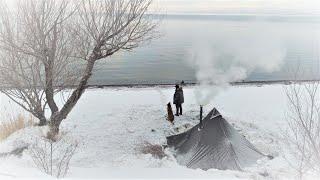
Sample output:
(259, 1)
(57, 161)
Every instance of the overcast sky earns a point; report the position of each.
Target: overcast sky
(293, 7)
(277, 7)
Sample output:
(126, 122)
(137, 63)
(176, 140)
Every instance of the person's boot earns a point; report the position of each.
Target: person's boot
(177, 114)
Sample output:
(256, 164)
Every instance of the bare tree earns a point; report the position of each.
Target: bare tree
(47, 46)
(302, 137)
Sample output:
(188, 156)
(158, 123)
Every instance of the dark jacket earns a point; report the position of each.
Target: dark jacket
(178, 97)
(181, 95)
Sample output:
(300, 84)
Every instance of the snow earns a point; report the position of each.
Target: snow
(111, 124)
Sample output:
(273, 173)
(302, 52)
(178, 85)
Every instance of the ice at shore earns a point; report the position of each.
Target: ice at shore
(112, 123)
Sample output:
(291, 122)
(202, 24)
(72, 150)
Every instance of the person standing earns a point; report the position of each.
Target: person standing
(178, 99)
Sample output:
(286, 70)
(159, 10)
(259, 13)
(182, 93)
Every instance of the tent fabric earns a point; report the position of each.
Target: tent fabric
(217, 145)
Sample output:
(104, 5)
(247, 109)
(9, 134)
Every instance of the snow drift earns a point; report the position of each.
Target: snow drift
(217, 145)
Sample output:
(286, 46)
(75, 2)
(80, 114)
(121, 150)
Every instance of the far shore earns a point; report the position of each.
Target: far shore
(238, 83)
(145, 85)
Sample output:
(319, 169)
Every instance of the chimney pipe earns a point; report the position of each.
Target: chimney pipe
(201, 111)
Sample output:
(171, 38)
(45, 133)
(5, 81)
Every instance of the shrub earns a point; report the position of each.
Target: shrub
(302, 138)
(52, 156)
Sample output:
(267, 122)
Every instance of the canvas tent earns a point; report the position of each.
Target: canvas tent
(217, 145)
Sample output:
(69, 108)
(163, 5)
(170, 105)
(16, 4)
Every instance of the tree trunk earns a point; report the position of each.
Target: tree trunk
(43, 122)
(58, 117)
(49, 88)
(54, 125)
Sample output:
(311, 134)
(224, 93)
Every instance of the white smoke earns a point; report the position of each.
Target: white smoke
(163, 98)
(233, 59)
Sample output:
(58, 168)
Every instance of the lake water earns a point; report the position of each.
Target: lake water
(165, 60)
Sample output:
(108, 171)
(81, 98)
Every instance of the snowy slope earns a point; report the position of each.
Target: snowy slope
(111, 124)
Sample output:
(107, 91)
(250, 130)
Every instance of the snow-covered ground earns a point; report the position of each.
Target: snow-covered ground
(111, 124)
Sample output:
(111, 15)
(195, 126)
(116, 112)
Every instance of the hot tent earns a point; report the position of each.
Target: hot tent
(217, 145)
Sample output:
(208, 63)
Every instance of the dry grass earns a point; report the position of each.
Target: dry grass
(14, 124)
(157, 151)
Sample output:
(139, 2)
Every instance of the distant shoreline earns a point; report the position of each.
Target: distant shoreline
(239, 83)
(145, 85)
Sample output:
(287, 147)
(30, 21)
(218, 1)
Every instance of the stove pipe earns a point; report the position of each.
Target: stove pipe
(201, 111)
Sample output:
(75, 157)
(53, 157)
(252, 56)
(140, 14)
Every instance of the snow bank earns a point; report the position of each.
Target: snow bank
(111, 123)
